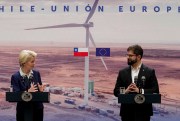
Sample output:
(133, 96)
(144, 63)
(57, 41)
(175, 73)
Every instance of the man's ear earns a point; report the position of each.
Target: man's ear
(139, 56)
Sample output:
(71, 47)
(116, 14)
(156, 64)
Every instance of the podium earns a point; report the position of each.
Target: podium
(28, 97)
(139, 98)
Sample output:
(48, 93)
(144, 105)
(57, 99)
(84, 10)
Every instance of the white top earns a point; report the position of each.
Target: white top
(135, 72)
(23, 74)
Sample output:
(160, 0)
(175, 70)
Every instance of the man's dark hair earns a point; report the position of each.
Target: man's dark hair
(137, 49)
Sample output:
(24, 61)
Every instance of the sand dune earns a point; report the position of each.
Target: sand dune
(58, 66)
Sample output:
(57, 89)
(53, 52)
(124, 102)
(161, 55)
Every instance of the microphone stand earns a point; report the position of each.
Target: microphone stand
(140, 91)
(139, 84)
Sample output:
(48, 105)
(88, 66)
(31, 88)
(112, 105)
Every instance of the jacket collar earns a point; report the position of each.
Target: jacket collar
(141, 72)
(23, 74)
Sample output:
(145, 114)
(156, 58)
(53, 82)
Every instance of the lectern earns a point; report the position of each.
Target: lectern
(28, 97)
(139, 98)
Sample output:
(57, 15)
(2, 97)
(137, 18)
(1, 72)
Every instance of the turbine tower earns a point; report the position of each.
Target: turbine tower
(86, 25)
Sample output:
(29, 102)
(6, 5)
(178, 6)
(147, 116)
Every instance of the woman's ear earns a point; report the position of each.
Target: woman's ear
(22, 64)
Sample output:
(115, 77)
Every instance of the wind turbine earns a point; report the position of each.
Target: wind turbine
(86, 25)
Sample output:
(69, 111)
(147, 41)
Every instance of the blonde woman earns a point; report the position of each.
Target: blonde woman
(27, 79)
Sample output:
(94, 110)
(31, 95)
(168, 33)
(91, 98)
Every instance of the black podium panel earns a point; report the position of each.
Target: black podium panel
(28, 96)
(139, 98)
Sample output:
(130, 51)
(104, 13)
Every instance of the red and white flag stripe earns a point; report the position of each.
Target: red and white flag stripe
(81, 51)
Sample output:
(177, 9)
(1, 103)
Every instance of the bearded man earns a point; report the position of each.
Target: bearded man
(128, 77)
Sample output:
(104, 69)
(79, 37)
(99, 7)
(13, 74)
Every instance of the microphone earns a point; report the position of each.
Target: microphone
(31, 80)
(143, 79)
(31, 77)
(138, 83)
(136, 80)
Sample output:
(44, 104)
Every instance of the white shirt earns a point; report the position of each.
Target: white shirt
(135, 72)
(23, 74)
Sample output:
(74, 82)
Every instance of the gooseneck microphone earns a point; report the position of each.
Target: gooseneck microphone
(31, 77)
(143, 79)
(31, 81)
(136, 80)
(139, 83)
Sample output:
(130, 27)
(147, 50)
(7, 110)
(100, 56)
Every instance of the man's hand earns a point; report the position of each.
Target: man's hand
(132, 88)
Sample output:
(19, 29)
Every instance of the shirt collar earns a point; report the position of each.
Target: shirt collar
(23, 74)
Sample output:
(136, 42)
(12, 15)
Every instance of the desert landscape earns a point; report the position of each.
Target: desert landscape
(59, 68)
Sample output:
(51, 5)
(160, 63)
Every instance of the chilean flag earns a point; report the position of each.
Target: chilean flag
(80, 51)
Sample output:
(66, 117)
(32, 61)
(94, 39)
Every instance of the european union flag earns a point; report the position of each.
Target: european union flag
(103, 52)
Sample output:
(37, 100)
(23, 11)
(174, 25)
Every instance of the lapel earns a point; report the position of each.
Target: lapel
(35, 78)
(129, 77)
(23, 83)
(141, 72)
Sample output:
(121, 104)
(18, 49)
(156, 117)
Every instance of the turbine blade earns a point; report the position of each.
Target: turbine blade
(92, 40)
(104, 63)
(92, 11)
(59, 26)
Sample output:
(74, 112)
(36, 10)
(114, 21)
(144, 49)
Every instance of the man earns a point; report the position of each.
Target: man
(127, 78)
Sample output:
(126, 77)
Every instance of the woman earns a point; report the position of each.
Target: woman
(27, 79)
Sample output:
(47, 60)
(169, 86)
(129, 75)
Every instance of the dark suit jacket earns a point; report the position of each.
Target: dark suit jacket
(124, 79)
(19, 84)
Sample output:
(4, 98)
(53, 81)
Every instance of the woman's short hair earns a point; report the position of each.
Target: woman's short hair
(25, 56)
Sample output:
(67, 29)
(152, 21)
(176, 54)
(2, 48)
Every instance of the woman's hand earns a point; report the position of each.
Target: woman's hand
(33, 88)
(41, 87)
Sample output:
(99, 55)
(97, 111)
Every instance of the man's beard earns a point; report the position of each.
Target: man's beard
(131, 62)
